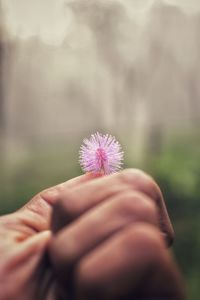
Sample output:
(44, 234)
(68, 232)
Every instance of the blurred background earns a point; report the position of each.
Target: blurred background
(130, 68)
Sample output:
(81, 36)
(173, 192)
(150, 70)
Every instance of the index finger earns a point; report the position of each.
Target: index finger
(37, 212)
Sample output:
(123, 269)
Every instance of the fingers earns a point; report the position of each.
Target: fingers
(19, 255)
(134, 264)
(36, 214)
(111, 245)
(71, 243)
(81, 198)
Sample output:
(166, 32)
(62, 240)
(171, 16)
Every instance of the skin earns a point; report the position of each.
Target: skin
(91, 237)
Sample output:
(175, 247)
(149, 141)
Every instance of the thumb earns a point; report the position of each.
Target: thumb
(37, 212)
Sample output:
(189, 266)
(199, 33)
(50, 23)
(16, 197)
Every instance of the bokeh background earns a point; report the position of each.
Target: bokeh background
(126, 67)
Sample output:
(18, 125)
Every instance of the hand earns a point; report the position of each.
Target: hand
(99, 242)
(25, 273)
(109, 241)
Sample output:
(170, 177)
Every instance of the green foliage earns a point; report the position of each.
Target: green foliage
(177, 170)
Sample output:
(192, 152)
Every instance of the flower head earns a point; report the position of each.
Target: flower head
(101, 154)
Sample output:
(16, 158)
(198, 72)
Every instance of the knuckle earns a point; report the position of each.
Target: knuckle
(145, 236)
(141, 181)
(152, 188)
(136, 204)
(147, 206)
(129, 175)
(125, 201)
(133, 175)
(64, 211)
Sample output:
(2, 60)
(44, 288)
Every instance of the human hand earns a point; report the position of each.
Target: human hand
(127, 208)
(25, 273)
(110, 238)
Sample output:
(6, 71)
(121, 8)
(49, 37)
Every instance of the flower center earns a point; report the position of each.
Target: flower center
(101, 157)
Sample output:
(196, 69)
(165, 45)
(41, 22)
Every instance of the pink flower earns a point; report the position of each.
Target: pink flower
(101, 154)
